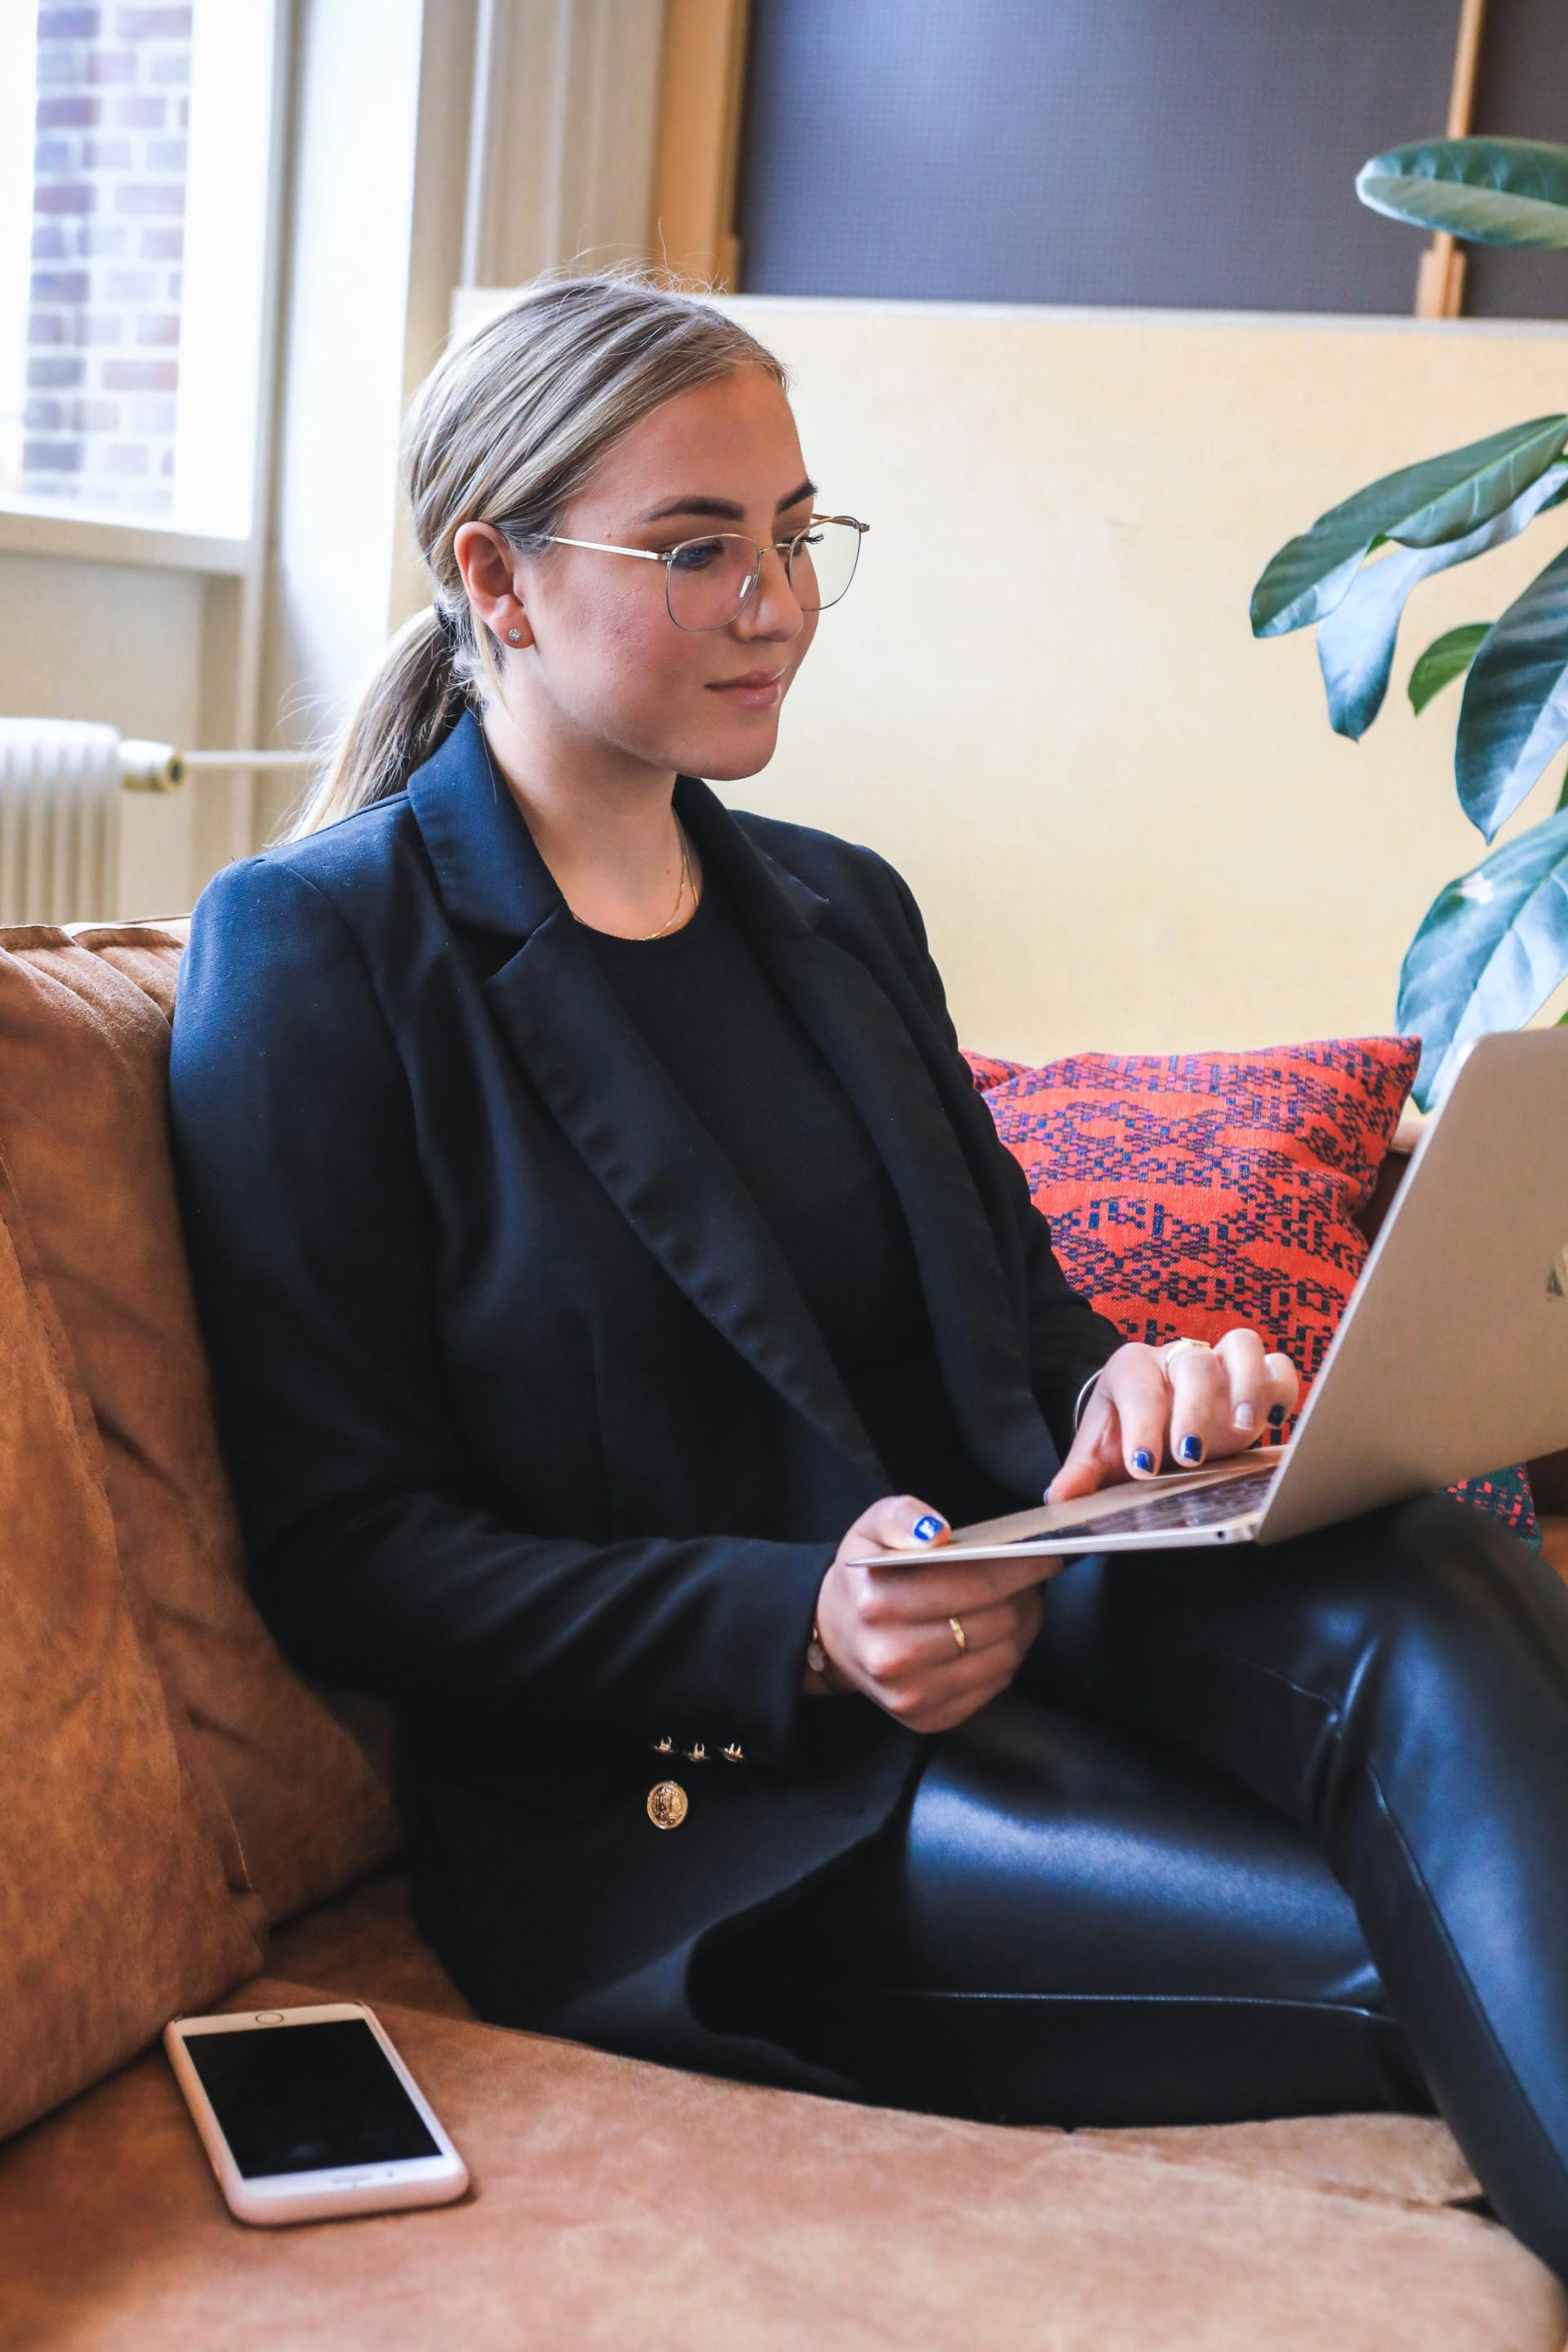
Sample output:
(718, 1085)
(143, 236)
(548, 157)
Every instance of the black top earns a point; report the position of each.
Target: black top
(734, 1045)
(523, 1429)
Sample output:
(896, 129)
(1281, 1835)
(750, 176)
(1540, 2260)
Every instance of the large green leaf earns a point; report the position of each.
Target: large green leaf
(1445, 659)
(1356, 640)
(1514, 714)
(1494, 191)
(1420, 506)
(1491, 948)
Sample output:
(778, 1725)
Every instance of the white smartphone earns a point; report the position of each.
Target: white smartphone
(307, 2113)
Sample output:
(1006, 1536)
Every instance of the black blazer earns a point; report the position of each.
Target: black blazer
(527, 1421)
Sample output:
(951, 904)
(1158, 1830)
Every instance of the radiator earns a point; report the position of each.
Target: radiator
(60, 782)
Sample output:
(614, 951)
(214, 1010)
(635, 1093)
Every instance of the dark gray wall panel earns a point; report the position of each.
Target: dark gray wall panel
(1143, 151)
(1521, 94)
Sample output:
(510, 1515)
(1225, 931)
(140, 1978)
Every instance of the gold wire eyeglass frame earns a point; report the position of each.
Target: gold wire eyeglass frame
(666, 555)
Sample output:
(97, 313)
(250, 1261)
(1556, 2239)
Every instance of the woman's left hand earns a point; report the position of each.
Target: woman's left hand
(1143, 1417)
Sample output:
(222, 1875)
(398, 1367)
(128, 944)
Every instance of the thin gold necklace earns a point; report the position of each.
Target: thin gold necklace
(685, 864)
(679, 895)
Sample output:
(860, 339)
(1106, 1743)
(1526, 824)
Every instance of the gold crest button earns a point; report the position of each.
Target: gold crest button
(666, 1803)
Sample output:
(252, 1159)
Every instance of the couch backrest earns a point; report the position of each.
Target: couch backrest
(123, 1896)
(85, 1015)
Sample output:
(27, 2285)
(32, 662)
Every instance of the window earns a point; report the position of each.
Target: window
(136, 158)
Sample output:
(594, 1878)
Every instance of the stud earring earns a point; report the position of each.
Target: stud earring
(515, 635)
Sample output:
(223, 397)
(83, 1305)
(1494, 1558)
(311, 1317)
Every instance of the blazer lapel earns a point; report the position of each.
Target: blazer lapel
(613, 1097)
(678, 1190)
(916, 1097)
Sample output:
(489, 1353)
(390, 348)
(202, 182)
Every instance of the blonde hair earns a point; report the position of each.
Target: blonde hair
(506, 429)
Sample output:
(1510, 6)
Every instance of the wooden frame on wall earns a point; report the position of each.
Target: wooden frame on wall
(702, 87)
(1440, 278)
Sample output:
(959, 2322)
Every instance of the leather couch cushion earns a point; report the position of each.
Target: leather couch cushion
(616, 2202)
(116, 1902)
(366, 1947)
(84, 1042)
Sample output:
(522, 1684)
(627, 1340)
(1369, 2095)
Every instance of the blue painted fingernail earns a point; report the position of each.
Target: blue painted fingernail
(1276, 1414)
(1191, 1449)
(928, 1528)
(1143, 1459)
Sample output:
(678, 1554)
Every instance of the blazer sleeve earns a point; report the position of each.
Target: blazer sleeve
(373, 1553)
(1069, 1338)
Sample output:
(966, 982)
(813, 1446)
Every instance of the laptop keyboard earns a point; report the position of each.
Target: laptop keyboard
(1200, 1506)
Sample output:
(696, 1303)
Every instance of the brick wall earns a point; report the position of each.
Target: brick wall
(108, 203)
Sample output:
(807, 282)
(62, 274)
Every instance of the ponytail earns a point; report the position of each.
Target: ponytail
(412, 705)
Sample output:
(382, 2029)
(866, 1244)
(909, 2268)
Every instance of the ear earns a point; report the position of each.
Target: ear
(486, 565)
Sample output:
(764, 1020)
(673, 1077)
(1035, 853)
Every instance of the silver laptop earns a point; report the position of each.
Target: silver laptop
(1450, 1359)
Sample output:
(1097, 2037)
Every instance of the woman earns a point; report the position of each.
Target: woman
(599, 1242)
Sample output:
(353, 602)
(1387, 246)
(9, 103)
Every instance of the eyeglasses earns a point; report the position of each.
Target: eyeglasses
(707, 581)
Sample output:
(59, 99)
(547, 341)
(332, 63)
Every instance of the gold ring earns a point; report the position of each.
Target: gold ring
(1171, 1350)
(958, 1633)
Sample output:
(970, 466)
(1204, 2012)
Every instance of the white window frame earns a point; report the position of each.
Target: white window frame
(19, 29)
(229, 312)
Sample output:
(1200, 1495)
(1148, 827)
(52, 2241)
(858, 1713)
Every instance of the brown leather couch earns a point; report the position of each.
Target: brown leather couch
(186, 1825)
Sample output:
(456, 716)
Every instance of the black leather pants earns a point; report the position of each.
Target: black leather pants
(1255, 1832)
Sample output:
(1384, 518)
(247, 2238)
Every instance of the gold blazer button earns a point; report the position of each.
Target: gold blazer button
(666, 1802)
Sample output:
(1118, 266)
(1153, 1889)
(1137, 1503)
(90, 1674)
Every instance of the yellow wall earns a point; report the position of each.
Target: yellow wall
(1128, 822)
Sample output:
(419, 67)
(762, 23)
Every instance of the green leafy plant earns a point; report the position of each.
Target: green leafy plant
(1493, 944)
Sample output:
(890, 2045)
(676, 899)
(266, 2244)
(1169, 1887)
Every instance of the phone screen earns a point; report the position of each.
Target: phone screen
(308, 2098)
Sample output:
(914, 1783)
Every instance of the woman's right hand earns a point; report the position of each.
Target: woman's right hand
(885, 1625)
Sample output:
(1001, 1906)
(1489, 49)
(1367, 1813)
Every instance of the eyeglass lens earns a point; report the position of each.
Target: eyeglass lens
(708, 579)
